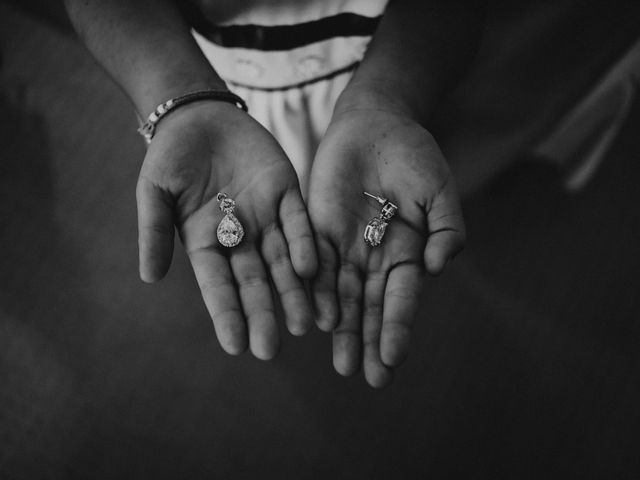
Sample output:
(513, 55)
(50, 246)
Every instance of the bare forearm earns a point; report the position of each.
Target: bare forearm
(146, 46)
(417, 55)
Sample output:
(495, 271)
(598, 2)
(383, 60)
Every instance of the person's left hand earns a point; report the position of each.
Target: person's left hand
(369, 296)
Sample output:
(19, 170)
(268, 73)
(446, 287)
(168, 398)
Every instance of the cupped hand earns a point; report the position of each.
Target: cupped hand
(369, 296)
(209, 147)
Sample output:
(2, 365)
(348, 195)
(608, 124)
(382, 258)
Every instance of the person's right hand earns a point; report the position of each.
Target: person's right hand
(209, 147)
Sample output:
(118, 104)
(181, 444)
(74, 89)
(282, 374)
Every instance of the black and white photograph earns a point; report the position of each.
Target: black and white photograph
(319, 239)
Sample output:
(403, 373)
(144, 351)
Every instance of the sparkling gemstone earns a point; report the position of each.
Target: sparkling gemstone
(230, 231)
(227, 205)
(374, 231)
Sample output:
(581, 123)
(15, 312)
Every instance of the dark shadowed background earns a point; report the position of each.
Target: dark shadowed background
(525, 362)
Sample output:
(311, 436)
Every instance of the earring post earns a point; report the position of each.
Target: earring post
(380, 200)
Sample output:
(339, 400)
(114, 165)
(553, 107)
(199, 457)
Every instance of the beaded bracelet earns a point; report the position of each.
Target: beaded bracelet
(148, 129)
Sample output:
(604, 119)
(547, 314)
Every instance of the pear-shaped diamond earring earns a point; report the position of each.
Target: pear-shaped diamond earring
(230, 231)
(374, 231)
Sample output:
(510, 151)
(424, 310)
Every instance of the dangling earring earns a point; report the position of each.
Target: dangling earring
(374, 231)
(230, 231)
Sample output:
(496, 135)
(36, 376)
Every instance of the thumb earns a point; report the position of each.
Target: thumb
(155, 230)
(447, 233)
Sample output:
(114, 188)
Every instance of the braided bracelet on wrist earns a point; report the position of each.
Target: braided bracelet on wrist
(148, 129)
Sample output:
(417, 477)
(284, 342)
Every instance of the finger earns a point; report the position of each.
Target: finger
(297, 230)
(347, 340)
(257, 302)
(219, 293)
(376, 372)
(297, 310)
(401, 302)
(324, 289)
(155, 230)
(446, 229)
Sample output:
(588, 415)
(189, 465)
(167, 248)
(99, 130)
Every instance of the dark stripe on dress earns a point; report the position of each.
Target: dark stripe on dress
(327, 76)
(287, 37)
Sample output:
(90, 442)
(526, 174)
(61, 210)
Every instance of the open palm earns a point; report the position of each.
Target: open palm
(369, 296)
(198, 151)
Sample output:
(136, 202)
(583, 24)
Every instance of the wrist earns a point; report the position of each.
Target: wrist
(147, 130)
(157, 91)
(382, 96)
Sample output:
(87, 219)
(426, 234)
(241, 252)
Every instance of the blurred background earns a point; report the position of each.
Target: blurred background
(526, 359)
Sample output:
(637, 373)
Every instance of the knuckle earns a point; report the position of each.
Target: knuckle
(346, 329)
(373, 309)
(157, 228)
(212, 284)
(278, 259)
(304, 238)
(403, 294)
(349, 268)
(350, 300)
(251, 280)
(292, 292)
(226, 318)
(396, 328)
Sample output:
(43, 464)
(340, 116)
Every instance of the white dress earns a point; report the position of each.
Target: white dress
(291, 65)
